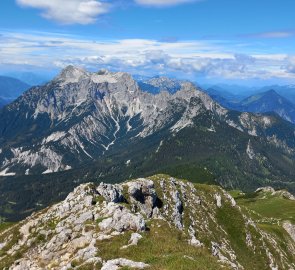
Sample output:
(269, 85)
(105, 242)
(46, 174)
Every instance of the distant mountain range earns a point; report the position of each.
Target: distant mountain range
(269, 101)
(10, 89)
(2, 102)
(287, 91)
(29, 78)
(84, 126)
(235, 97)
(242, 92)
(262, 102)
(232, 91)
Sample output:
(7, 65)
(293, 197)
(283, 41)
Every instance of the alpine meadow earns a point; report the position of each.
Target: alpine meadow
(147, 134)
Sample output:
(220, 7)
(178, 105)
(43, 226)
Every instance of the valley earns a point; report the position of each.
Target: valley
(101, 127)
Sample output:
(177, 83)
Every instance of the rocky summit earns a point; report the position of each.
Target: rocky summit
(157, 222)
(103, 127)
(80, 116)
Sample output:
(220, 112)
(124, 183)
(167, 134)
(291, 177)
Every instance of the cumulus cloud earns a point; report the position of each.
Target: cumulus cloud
(290, 65)
(86, 11)
(163, 3)
(188, 59)
(69, 12)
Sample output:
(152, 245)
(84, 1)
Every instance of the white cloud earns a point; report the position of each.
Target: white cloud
(190, 59)
(290, 65)
(68, 11)
(162, 3)
(86, 11)
(275, 34)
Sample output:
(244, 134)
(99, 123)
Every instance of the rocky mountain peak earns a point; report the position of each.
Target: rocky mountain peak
(104, 226)
(88, 114)
(71, 74)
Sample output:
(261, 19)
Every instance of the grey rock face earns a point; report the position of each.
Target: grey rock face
(143, 195)
(290, 228)
(86, 114)
(118, 263)
(73, 231)
(121, 220)
(90, 115)
(178, 210)
(134, 239)
(111, 193)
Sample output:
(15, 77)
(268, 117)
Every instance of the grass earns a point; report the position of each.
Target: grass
(268, 206)
(162, 247)
(5, 225)
(233, 223)
(269, 211)
(280, 234)
(8, 259)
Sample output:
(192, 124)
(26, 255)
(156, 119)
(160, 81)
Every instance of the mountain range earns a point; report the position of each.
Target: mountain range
(262, 102)
(2, 102)
(10, 89)
(101, 126)
(287, 91)
(28, 77)
(269, 101)
(239, 92)
(278, 99)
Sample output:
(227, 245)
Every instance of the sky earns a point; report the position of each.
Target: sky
(207, 41)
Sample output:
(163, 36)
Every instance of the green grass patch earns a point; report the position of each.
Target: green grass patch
(5, 225)
(270, 207)
(164, 248)
(234, 224)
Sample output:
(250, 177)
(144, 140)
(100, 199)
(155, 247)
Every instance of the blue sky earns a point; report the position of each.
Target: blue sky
(237, 41)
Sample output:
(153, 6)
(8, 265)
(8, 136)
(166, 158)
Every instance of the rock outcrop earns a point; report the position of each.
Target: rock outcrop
(93, 221)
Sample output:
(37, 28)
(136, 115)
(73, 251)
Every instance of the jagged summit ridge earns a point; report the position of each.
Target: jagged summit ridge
(71, 74)
(80, 110)
(81, 117)
(131, 215)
